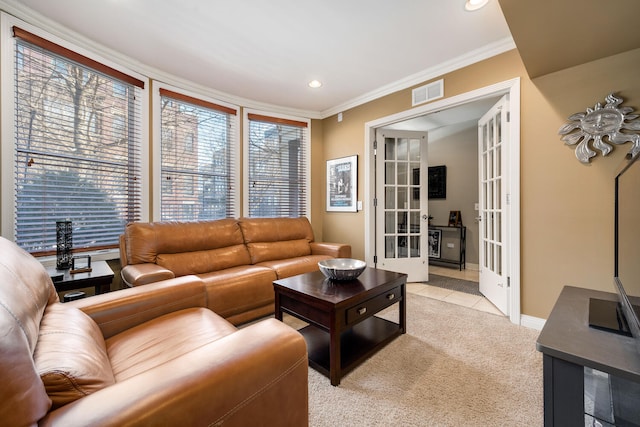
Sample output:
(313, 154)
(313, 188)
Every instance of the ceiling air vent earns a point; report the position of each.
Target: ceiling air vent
(427, 93)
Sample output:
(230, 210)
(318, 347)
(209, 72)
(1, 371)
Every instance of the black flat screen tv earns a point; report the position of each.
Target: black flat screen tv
(623, 316)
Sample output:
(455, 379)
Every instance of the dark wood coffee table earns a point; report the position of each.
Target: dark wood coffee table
(342, 330)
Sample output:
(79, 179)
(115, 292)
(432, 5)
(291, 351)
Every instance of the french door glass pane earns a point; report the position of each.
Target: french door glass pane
(414, 225)
(389, 222)
(490, 135)
(390, 198)
(403, 149)
(415, 246)
(389, 247)
(390, 173)
(402, 197)
(403, 250)
(402, 173)
(389, 149)
(414, 150)
(402, 222)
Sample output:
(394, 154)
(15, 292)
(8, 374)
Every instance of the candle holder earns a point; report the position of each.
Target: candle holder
(64, 245)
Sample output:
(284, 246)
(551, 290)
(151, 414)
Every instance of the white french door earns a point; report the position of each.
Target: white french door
(401, 203)
(493, 133)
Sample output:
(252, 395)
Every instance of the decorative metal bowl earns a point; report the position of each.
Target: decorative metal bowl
(342, 268)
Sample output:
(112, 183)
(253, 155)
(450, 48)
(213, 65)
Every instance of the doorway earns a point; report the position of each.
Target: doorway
(511, 181)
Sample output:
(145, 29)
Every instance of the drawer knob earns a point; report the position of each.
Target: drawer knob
(391, 296)
(362, 310)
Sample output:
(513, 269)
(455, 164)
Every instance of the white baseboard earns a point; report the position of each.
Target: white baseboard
(532, 322)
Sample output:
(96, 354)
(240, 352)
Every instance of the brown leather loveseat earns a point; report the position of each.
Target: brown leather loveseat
(237, 259)
(151, 355)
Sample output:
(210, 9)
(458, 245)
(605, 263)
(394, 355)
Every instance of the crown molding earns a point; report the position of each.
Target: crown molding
(504, 45)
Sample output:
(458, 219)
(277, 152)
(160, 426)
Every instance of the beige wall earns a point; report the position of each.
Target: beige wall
(459, 153)
(317, 178)
(566, 207)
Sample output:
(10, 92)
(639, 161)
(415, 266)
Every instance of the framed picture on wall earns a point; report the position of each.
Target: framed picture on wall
(455, 219)
(342, 184)
(437, 178)
(435, 239)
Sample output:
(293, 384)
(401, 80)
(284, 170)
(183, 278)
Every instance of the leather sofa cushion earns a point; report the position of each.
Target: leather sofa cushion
(240, 289)
(276, 238)
(144, 241)
(26, 290)
(23, 277)
(163, 339)
(198, 262)
(294, 266)
(275, 229)
(71, 356)
(267, 251)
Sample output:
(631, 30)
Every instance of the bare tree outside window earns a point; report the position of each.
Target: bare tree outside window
(196, 162)
(277, 170)
(76, 151)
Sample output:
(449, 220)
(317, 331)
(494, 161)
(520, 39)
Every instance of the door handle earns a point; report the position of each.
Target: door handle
(478, 218)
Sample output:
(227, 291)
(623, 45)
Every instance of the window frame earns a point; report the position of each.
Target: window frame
(157, 143)
(7, 118)
(245, 151)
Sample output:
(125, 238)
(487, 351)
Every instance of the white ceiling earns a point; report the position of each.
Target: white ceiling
(443, 123)
(267, 51)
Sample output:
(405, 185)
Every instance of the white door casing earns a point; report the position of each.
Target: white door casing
(512, 181)
(401, 206)
(493, 131)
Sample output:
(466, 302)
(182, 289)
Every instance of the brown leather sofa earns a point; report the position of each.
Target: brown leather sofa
(151, 355)
(237, 259)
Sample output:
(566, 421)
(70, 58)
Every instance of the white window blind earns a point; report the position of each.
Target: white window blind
(198, 159)
(77, 157)
(278, 167)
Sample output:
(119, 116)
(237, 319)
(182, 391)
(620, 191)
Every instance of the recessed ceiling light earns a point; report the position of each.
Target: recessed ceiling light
(315, 84)
(471, 5)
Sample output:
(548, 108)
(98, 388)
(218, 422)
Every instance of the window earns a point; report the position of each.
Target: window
(77, 147)
(277, 167)
(198, 158)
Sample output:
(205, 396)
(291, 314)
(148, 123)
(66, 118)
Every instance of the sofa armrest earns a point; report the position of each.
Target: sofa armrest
(143, 274)
(117, 311)
(257, 375)
(336, 250)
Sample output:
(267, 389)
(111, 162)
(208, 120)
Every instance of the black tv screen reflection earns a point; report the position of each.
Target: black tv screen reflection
(627, 240)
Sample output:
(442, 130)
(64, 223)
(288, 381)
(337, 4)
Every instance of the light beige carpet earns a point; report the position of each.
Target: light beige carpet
(454, 367)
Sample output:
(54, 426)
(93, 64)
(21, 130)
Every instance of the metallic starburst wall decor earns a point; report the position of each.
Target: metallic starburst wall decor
(601, 122)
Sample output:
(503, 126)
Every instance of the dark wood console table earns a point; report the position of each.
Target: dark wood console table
(569, 345)
(461, 236)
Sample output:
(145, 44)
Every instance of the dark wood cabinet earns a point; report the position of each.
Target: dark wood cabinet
(571, 349)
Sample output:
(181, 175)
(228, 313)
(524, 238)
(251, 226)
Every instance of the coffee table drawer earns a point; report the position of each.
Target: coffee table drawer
(374, 305)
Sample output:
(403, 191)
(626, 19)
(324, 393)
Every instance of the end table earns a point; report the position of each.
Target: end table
(99, 277)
